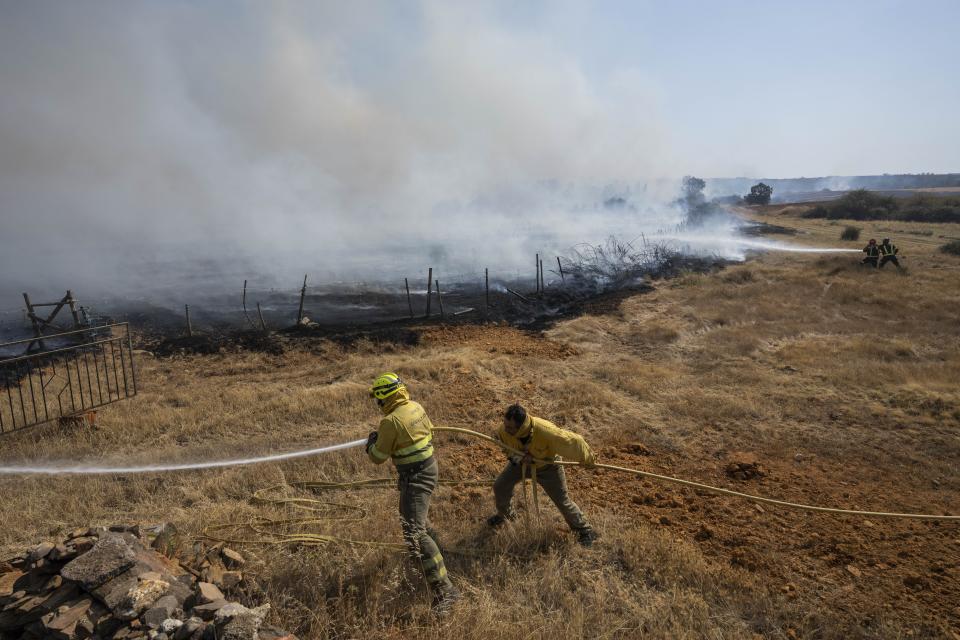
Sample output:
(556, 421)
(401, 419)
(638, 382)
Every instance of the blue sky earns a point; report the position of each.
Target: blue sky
(783, 88)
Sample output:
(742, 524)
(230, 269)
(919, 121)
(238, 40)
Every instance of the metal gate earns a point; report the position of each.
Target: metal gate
(79, 371)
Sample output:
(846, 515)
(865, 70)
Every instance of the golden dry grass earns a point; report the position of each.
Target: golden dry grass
(842, 382)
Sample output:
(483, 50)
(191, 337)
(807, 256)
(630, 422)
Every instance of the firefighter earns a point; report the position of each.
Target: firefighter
(873, 253)
(405, 435)
(888, 253)
(542, 440)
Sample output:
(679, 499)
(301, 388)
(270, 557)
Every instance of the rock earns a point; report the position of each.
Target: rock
(243, 627)
(231, 558)
(113, 591)
(208, 610)
(187, 629)
(164, 537)
(207, 592)
(161, 610)
(40, 551)
(140, 598)
(63, 553)
(273, 633)
(64, 622)
(83, 544)
(110, 556)
(8, 581)
(170, 626)
(79, 533)
(852, 570)
(231, 579)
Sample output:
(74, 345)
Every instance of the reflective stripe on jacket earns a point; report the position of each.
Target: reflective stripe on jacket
(871, 250)
(544, 440)
(405, 433)
(888, 249)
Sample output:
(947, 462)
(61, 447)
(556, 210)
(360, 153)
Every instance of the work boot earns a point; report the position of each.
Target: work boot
(443, 601)
(496, 521)
(586, 537)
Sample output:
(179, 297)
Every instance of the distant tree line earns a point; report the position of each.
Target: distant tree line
(867, 205)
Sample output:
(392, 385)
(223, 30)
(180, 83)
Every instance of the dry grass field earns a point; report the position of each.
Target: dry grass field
(841, 382)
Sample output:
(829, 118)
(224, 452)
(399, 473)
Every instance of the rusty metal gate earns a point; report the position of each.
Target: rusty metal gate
(79, 371)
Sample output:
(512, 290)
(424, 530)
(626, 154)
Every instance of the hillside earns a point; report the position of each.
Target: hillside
(839, 382)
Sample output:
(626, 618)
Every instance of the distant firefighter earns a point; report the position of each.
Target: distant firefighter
(873, 253)
(543, 440)
(888, 253)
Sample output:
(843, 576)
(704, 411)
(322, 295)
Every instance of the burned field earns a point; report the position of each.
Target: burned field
(789, 376)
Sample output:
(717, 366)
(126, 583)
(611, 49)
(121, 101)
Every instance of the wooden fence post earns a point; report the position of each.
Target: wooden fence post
(406, 283)
(537, 266)
(560, 266)
(429, 289)
(486, 286)
(439, 298)
(186, 309)
(263, 325)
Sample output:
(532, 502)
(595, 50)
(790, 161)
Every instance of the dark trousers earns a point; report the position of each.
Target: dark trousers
(554, 483)
(870, 261)
(416, 488)
(885, 259)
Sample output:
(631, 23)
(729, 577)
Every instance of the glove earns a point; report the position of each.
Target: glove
(372, 439)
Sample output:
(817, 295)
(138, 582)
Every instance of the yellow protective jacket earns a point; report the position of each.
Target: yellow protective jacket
(546, 441)
(405, 432)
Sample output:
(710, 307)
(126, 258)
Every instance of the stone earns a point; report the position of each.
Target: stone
(140, 598)
(83, 544)
(164, 537)
(242, 627)
(78, 533)
(161, 610)
(208, 611)
(40, 551)
(170, 626)
(8, 581)
(231, 579)
(109, 557)
(187, 629)
(63, 553)
(231, 558)
(855, 572)
(64, 622)
(207, 592)
(112, 592)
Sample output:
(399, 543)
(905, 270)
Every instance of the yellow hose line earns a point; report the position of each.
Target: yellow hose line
(717, 490)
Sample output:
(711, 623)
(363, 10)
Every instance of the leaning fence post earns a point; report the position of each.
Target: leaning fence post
(543, 285)
(406, 283)
(263, 325)
(429, 288)
(439, 298)
(186, 309)
(73, 309)
(33, 320)
(303, 293)
(560, 266)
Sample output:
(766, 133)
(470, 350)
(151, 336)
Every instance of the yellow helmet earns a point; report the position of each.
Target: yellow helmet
(386, 385)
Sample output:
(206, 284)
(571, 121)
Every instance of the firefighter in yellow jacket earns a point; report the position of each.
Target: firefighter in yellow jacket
(405, 436)
(540, 439)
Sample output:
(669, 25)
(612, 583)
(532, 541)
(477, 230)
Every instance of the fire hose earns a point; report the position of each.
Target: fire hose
(269, 531)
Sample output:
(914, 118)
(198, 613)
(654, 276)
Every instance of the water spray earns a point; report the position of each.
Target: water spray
(60, 469)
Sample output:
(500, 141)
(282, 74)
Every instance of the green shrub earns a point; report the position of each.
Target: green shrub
(850, 233)
(952, 247)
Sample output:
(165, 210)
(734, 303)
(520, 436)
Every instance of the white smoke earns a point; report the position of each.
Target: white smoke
(277, 138)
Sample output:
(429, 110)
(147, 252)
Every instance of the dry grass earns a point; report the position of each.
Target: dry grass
(842, 382)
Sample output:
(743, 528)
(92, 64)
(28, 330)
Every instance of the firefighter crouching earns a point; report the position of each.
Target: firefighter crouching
(543, 440)
(405, 435)
(873, 253)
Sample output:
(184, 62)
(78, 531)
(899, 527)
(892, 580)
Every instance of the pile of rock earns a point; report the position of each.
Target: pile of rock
(112, 584)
